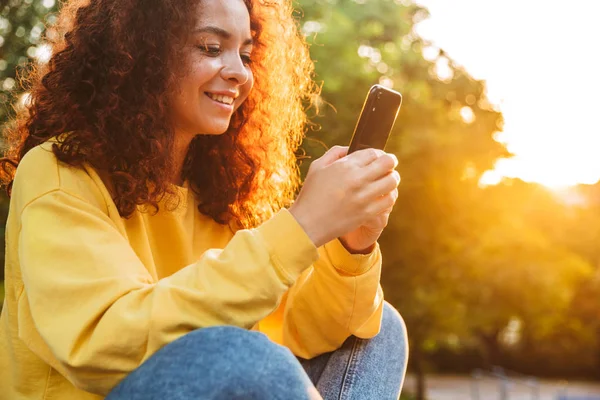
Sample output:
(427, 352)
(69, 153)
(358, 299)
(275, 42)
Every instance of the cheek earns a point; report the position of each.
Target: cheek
(191, 85)
(177, 100)
(200, 71)
(181, 88)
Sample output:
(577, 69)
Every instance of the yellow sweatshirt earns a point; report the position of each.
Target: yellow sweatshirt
(90, 295)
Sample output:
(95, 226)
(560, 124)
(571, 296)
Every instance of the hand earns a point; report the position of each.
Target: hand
(343, 194)
(362, 240)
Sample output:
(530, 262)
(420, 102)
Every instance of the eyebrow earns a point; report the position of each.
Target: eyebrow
(220, 32)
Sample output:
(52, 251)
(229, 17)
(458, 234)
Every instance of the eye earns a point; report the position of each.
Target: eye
(246, 59)
(210, 50)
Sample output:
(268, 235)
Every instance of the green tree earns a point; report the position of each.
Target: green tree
(22, 23)
(443, 138)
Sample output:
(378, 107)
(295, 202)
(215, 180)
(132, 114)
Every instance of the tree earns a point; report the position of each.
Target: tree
(443, 139)
(22, 23)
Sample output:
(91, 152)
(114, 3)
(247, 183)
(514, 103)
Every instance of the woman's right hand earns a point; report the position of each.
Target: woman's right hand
(340, 192)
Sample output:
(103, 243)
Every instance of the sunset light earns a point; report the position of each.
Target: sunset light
(168, 171)
(542, 72)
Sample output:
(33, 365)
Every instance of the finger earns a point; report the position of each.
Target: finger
(376, 223)
(383, 205)
(389, 210)
(379, 168)
(365, 156)
(383, 186)
(333, 154)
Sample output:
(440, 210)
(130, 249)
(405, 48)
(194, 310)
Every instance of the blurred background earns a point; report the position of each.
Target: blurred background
(491, 254)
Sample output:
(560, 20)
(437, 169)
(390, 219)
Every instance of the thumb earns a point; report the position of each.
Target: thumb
(333, 154)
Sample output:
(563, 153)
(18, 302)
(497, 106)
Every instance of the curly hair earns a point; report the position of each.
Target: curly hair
(101, 98)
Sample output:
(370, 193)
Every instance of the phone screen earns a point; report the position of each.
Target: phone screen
(377, 118)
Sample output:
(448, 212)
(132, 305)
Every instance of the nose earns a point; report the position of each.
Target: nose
(234, 70)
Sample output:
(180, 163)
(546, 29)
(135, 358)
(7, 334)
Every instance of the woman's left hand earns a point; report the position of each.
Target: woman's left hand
(362, 240)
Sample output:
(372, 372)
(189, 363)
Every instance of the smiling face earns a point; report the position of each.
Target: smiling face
(217, 76)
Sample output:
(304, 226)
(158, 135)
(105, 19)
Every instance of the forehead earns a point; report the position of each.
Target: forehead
(224, 13)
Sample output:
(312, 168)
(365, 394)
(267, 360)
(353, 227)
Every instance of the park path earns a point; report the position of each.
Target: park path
(456, 387)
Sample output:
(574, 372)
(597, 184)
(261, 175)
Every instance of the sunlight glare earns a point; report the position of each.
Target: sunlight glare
(549, 98)
(467, 114)
(443, 70)
(42, 53)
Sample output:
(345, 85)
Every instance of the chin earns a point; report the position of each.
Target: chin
(216, 129)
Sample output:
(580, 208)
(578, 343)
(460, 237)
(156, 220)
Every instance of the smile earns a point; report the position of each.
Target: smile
(221, 98)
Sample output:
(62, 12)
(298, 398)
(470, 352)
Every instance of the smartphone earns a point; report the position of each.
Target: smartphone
(376, 119)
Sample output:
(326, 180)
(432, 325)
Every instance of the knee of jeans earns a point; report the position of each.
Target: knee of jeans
(393, 327)
(230, 342)
(253, 363)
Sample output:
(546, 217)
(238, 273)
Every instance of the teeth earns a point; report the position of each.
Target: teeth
(221, 98)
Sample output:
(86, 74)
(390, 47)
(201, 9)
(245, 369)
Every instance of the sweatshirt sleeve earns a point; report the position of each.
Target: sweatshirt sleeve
(338, 297)
(100, 314)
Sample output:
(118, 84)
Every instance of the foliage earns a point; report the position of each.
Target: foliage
(22, 23)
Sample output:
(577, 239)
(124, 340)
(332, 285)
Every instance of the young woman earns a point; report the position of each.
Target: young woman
(153, 248)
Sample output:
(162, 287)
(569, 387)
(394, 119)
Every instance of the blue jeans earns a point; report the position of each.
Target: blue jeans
(228, 363)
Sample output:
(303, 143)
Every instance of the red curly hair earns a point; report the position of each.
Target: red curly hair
(102, 99)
